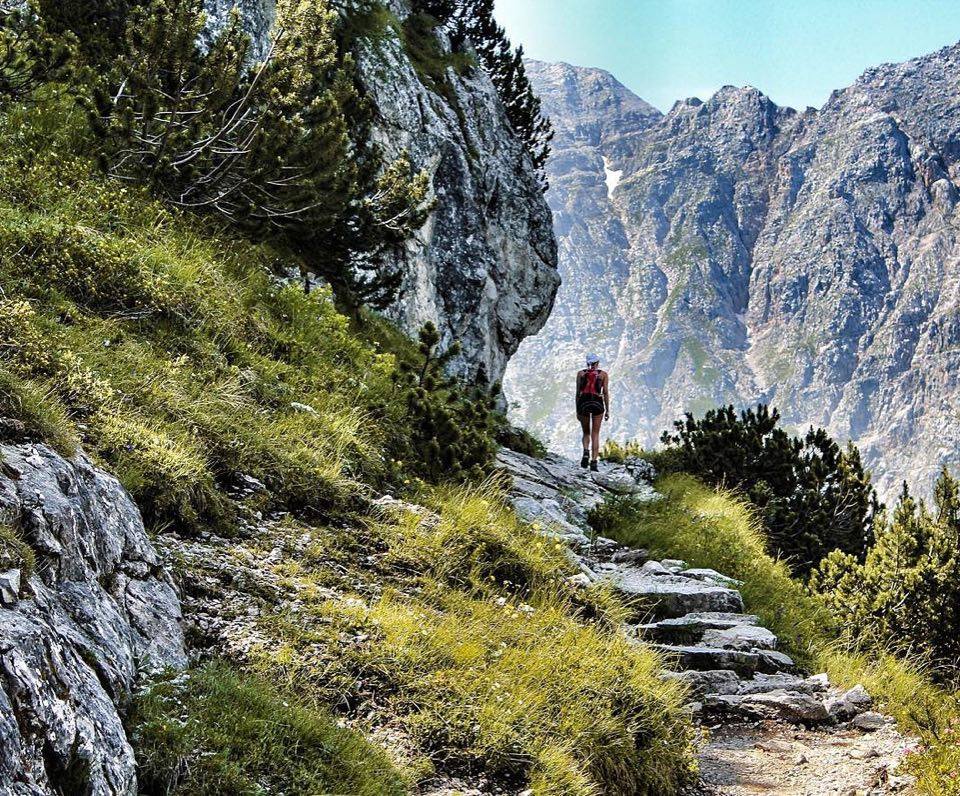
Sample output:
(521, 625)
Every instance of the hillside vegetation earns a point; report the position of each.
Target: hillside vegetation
(172, 350)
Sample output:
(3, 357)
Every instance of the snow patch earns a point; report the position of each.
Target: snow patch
(613, 177)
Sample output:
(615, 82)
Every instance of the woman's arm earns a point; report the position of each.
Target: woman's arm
(606, 396)
(576, 389)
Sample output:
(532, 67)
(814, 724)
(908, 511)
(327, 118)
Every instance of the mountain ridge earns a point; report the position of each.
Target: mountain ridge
(760, 253)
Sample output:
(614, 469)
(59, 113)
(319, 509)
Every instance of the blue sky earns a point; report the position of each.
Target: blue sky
(795, 51)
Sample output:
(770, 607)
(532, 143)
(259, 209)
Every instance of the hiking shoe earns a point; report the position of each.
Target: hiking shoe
(595, 466)
(585, 460)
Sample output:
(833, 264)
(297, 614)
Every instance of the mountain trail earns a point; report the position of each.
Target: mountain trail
(767, 727)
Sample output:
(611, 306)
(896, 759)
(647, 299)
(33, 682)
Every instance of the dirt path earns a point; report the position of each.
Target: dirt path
(774, 758)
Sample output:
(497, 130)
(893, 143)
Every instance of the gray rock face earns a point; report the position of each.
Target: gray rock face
(484, 267)
(751, 252)
(99, 610)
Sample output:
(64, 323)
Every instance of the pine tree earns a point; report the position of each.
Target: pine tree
(905, 595)
(266, 147)
(281, 149)
(812, 495)
(473, 21)
(30, 55)
(453, 430)
(97, 25)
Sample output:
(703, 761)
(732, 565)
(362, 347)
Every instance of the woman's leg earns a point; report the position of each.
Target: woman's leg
(585, 425)
(595, 436)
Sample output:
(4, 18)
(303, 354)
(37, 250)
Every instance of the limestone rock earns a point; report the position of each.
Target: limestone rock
(850, 704)
(719, 681)
(741, 637)
(870, 721)
(102, 611)
(484, 266)
(9, 587)
(675, 596)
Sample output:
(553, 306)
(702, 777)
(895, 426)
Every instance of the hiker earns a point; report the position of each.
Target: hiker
(593, 407)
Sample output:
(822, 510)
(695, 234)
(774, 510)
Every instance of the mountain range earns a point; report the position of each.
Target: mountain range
(735, 251)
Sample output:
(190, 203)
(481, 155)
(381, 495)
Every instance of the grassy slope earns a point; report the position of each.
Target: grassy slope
(167, 349)
(713, 528)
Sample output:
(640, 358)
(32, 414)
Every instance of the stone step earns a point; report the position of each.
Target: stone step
(741, 637)
(708, 658)
(773, 662)
(765, 683)
(689, 629)
(795, 707)
(666, 596)
(712, 576)
(711, 681)
(725, 682)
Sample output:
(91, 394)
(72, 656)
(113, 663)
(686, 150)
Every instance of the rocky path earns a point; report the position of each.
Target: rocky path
(768, 728)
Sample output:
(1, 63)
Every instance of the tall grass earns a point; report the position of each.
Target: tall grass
(213, 731)
(174, 346)
(493, 663)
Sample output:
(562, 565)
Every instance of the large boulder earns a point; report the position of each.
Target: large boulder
(97, 612)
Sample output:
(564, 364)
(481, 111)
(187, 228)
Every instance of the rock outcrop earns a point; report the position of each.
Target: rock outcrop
(97, 610)
(733, 251)
(484, 266)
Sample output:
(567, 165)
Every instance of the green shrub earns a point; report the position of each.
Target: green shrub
(31, 55)
(906, 594)
(215, 730)
(451, 428)
(520, 440)
(665, 461)
(813, 497)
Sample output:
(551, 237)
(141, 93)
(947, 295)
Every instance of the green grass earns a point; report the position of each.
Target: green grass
(183, 358)
(15, 553)
(39, 409)
(229, 732)
(714, 528)
(490, 660)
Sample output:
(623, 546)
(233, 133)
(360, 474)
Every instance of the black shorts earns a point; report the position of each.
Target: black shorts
(590, 405)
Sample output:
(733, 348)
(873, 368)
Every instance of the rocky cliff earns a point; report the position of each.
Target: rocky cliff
(735, 251)
(85, 608)
(484, 267)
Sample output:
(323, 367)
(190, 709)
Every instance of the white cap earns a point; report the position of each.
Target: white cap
(592, 359)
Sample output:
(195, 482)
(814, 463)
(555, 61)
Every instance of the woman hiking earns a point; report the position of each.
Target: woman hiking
(593, 407)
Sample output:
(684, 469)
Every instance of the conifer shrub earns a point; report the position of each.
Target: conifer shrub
(280, 149)
(472, 22)
(31, 55)
(813, 496)
(452, 429)
(905, 594)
